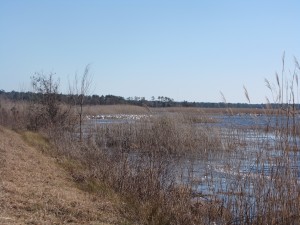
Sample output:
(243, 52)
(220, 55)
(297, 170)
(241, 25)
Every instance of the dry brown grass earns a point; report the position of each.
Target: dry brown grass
(35, 190)
(167, 134)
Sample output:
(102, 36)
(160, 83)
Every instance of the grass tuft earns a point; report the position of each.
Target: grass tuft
(36, 140)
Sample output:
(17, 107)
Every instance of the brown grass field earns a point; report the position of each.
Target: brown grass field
(34, 189)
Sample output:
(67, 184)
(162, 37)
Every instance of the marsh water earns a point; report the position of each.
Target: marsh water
(253, 152)
(253, 141)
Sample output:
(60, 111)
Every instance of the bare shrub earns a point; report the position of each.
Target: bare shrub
(46, 111)
(78, 92)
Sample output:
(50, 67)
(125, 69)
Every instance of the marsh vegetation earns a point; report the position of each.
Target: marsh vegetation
(179, 165)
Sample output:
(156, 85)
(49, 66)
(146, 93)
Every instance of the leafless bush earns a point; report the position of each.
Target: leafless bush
(46, 111)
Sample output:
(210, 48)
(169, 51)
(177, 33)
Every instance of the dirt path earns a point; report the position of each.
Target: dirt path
(35, 190)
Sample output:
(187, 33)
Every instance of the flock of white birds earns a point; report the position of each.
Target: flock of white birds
(118, 117)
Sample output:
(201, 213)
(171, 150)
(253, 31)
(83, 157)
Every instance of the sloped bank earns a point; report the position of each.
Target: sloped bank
(34, 189)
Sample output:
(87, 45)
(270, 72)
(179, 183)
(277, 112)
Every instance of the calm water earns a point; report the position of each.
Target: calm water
(253, 121)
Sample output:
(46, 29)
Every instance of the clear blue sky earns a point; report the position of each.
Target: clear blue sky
(186, 50)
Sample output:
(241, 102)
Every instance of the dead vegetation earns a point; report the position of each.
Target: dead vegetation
(149, 171)
(35, 190)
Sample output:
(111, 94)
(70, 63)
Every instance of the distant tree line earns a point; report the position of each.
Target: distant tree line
(160, 101)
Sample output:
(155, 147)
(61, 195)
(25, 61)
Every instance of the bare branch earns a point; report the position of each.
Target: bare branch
(246, 94)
